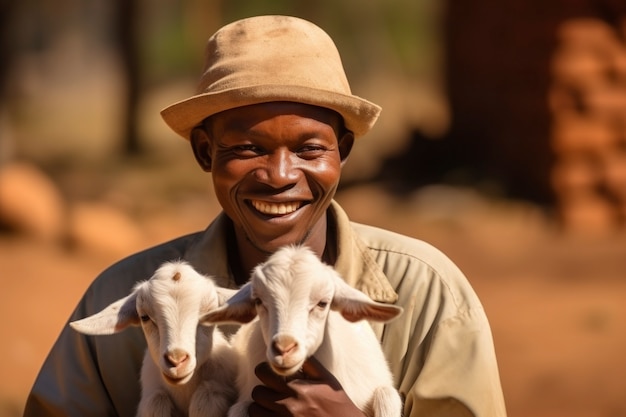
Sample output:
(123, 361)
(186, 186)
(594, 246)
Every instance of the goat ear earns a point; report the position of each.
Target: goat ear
(354, 305)
(238, 309)
(224, 294)
(114, 318)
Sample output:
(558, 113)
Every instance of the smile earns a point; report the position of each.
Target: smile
(275, 209)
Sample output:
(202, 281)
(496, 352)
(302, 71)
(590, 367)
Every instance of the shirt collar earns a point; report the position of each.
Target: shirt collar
(209, 254)
(354, 262)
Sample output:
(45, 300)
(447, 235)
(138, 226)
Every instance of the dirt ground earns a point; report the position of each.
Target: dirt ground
(557, 303)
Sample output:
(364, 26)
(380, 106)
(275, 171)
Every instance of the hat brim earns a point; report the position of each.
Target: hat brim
(359, 114)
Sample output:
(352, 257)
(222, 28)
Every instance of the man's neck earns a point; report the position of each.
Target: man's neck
(243, 256)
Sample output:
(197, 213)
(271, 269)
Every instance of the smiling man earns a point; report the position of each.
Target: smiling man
(276, 167)
(273, 121)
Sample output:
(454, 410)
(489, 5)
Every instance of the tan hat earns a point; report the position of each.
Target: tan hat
(271, 58)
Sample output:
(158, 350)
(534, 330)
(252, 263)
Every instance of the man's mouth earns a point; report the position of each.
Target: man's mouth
(275, 209)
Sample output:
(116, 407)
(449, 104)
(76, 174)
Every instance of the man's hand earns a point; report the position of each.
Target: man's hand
(314, 392)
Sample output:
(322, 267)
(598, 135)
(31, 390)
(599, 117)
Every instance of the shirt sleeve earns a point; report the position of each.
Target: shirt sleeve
(458, 375)
(440, 349)
(88, 375)
(99, 376)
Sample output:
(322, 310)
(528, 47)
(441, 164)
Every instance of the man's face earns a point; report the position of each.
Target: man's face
(275, 168)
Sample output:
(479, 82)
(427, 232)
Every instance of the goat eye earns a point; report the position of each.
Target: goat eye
(144, 318)
(258, 302)
(322, 304)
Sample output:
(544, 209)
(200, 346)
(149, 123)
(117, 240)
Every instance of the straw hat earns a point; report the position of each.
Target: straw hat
(271, 58)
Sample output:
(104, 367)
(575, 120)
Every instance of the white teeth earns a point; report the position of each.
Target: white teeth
(275, 208)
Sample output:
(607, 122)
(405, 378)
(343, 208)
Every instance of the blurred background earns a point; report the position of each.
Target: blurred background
(502, 142)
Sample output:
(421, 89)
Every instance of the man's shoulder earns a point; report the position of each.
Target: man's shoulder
(383, 240)
(155, 255)
(416, 265)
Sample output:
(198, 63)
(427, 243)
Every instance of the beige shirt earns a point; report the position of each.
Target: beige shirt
(440, 349)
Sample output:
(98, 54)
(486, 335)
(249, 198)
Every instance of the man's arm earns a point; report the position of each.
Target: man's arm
(99, 375)
(90, 375)
(441, 349)
(84, 375)
(459, 376)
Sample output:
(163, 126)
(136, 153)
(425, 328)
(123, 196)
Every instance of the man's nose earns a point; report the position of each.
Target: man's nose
(281, 169)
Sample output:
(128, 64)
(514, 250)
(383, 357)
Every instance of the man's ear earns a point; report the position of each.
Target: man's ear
(345, 145)
(201, 145)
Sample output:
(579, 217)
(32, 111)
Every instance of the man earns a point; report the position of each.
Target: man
(274, 121)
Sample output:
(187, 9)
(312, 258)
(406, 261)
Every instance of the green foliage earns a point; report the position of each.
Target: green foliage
(372, 35)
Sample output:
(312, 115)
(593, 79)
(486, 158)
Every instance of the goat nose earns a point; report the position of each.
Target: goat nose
(176, 357)
(284, 344)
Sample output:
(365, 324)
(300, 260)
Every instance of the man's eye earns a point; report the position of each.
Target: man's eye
(311, 151)
(247, 150)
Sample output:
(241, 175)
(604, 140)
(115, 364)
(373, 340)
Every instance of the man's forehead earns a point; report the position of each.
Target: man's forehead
(245, 118)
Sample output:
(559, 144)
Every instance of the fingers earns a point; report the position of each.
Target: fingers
(264, 372)
(267, 397)
(313, 369)
(256, 410)
(306, 393)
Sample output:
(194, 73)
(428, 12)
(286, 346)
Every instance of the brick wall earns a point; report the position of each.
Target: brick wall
(537, 93)
(587, 104)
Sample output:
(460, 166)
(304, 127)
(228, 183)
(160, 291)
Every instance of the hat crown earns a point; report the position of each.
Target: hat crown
(272, 50)
(271, 58)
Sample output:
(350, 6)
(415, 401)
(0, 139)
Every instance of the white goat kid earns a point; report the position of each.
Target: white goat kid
(304, 308)
(188, 369)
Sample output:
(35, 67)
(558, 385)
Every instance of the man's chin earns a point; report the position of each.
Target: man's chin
(270, 246)
(272, 240)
